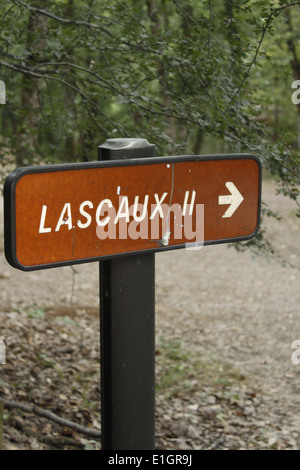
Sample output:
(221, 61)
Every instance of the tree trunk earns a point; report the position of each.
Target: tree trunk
(198, 141)
(70, 144)
(27, 136)
(162, 73)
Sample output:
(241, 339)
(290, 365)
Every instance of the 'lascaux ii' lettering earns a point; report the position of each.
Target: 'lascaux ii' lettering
(139, 211)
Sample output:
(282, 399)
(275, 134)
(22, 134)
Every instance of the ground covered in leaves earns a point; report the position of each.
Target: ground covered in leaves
(225, 323)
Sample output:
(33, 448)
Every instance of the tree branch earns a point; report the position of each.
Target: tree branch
(40, 67)
(290, 170)
(27, 71)
(274, 11)
(63, 20)
(91, 26)
(51, 416)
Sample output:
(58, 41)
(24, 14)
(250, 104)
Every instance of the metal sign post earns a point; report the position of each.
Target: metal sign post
(127, 326)
(120, 211)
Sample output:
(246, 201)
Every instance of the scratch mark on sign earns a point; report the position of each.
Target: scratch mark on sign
(164, 241)
(73, 241)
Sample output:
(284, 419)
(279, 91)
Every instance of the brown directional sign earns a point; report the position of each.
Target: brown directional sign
(65, 214)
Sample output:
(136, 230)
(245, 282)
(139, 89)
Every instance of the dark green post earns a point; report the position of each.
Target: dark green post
(127, 324)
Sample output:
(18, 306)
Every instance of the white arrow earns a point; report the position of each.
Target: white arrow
(234, 199)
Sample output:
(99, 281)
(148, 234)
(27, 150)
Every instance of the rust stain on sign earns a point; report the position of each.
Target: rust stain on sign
(64, 214)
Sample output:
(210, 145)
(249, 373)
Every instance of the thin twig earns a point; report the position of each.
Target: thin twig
(53, 417)
(290, 169)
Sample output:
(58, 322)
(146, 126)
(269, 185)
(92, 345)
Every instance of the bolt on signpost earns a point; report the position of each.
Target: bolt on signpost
(120, 211)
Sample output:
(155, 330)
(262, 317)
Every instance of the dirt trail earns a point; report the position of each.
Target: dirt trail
(242, 309)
